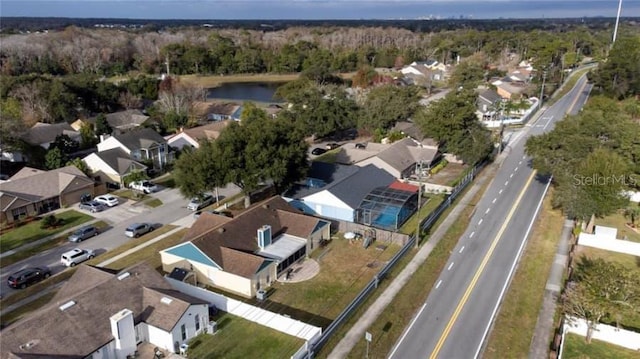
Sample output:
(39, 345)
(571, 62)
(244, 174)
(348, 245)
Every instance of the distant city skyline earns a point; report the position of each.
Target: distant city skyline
(316, 9)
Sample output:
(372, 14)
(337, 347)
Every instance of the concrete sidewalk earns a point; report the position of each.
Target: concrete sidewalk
(356, 333)
(544, 326)
(44, 240)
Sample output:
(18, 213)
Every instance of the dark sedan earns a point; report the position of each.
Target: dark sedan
(28, 276)
(318, 151)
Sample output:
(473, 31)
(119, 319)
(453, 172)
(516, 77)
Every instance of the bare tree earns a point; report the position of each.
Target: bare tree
(34, 106)
(130, 101)
(178, 97)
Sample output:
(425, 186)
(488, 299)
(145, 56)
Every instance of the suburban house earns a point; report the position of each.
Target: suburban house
(336, 191)
(193, 136)
(388, 207)
(32, 192)
(219, 111)
(488, 105)
(247, 253)
(142, 145)
(509, 90)
(42, 134)
(420, 73)
(127, 120)
(112, 166)
(104, 314)
(399, 158)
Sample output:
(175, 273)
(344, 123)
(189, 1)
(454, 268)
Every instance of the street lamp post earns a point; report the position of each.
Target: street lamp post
(615, 29)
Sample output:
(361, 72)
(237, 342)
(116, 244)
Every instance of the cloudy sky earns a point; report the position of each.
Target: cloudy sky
(316, 9)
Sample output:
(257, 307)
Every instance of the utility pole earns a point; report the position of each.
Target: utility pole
(544, 77)
(419, 172)
(166, 62)
(615, 29)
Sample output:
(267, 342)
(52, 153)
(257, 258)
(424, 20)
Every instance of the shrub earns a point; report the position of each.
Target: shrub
(50, 221)
(439, 167)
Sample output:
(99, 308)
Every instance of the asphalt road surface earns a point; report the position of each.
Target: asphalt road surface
(118, 218)
(455, 320)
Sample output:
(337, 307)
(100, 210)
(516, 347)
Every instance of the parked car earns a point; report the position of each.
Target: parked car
(92, 206)
(361, 145)
(144, 186)
(138, 229)
(318, 151)
(107, 200)
(25, 277)
(200, 202)
(76, 256)
(83, 233)
(332, 146)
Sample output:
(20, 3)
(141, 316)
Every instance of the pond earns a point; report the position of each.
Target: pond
(245, 91)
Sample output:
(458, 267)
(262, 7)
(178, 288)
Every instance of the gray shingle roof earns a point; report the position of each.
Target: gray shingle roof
(45, 184)
(126, 119)
(46, 132)
(120, 161)
(140, 138)
(489, 96)
(325, 172)
(351, 190)
(84, 327)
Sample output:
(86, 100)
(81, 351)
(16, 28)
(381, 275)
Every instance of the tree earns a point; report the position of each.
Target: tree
(453, 123)
(470, 72)
(387, 104)
(79, 164)
(65, 144)
(102, 126)
(55, 158)
(632, 213)
(600, 290)
(130, 101)
(87, 136)
(11, 125)
(619, 76)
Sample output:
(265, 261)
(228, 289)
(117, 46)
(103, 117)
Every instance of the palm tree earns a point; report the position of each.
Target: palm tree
(632, 213)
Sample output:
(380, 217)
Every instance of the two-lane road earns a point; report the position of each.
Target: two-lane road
(455, 320)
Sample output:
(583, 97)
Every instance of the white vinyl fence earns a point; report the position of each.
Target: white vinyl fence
(606, 333)
(269, 319)
(615, 245)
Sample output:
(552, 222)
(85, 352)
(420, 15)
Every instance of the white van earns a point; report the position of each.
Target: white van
(76, 256)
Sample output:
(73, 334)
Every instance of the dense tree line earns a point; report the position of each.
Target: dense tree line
(230, 51)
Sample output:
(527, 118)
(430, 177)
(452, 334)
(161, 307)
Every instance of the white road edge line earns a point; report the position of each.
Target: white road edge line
(450, 266)
(438, 285)
(407, 330)
(461, 249)
(513, 267)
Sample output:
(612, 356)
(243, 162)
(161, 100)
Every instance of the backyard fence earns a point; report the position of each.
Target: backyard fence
(313, 346)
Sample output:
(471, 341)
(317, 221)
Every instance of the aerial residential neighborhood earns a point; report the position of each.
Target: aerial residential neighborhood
(401, 188)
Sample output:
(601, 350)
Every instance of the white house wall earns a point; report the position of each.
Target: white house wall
(188, 319)
(108, 351)
(110, 143)
(160, 338)
(182, 139)
(325, 204)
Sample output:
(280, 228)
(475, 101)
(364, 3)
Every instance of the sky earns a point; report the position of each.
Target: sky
(316, 9)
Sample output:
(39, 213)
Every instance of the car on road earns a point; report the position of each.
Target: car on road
(25, 277)
(138, 229)
(200, 202)
(144, 186)
(76, 256)
(83, 233)
(318, 151)
(107, 200)
(92, 206)
(332, 146)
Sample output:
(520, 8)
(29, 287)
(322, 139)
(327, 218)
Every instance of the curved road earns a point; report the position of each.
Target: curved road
(457, 316)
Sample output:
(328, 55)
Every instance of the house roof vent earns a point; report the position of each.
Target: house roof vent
(124, 275)
(166, 300)
(67, 305)
(221, 230)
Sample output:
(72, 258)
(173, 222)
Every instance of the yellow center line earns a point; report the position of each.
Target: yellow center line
(476, 276)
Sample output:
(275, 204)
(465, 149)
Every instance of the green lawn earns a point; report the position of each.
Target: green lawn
(512, 338)
(575, 347)
(130, 194)
(238, 338)
(344, 270)
(31, 231)
(409, 227)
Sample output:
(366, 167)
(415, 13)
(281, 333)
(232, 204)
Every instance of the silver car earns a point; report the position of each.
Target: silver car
(93, 206)
(138, 229)
(83, 233)
(200, 202)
